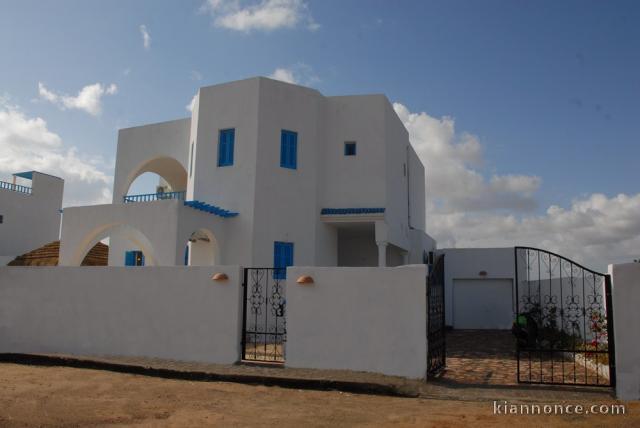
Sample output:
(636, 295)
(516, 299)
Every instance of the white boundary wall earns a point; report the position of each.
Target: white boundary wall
(365, 319)
(162, 312)
(626, 320)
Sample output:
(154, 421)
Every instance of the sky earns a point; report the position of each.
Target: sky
(524, 113)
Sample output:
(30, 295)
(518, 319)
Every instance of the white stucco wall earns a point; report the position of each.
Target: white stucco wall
(160, 229)
(626, 320)
(466, 264)
(286, 207)
(30, 220)
(275, 203)
(420, 243)
(162, 148)
(173, 313)
(397, 178)
(365, 319)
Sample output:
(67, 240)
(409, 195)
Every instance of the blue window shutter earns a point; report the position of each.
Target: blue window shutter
(288, 149)
(289, 254)
(283, 149)
(129, 258)
(141, 259)
(349, 149)
(231, 138)
(294, 150)
(225, 147)
(221, 150)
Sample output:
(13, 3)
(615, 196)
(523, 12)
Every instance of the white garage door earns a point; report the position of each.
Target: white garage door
(482, 304)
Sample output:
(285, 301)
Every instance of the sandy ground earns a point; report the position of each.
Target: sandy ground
(59, 396)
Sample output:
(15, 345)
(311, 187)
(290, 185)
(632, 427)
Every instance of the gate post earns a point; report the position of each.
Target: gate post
(610, 331)
(625, 295)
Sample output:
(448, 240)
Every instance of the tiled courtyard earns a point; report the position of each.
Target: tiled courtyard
(488, 357)
(481, 357)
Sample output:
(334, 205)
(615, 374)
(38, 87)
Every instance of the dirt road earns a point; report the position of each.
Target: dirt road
(59, 396)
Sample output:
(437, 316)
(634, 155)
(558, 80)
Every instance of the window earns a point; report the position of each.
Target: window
(133, 258)
(282, 257)
(289, 149)
(350, 148)
(225, 147)
(1, 219)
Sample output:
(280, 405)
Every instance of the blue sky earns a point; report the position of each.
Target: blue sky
(538, 98)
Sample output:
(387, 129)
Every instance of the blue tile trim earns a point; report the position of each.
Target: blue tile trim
(211, 209)
(346, 211)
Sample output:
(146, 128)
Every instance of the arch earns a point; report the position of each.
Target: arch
(203, 248)
(166, 167)
(104, 231)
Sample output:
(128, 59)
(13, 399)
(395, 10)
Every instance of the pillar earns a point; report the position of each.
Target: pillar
(382, 253)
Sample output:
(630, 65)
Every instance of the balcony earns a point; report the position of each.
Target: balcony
(149, 197)
(15, 187)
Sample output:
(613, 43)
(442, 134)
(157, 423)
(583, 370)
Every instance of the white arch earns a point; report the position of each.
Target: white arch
(166, 167)
(203, 248)
(103, 231)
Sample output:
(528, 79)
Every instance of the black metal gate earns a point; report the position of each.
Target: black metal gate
(436, 345)
(564, 321)
(264, 322)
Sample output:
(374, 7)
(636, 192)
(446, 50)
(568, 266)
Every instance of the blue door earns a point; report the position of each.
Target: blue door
(133, 258)
(282, 257)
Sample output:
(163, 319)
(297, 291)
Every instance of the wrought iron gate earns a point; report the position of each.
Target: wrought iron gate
(436, 345)
(264, 321)
(564, 321)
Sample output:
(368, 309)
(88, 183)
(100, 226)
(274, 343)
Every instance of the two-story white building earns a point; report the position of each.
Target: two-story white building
(264, 173)
(29, 213)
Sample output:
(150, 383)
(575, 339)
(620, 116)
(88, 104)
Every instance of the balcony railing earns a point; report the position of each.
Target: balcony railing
(149, 197)
(15, 187)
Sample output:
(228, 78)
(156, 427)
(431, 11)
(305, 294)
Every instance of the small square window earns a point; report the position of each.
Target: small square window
(350, 148)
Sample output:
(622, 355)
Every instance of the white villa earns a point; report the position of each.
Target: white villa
(29, 212)
(264, 173)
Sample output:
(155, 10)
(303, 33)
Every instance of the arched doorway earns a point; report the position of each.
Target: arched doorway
(201, 249)
(124, 242)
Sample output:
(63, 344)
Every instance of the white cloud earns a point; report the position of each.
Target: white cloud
(264, 15)
(466, 210)
(27, 144)
(192, 103)
(452, 164)
(298, 74)
(89, 99)
(196, 75)
(146, 38)
(284, 75)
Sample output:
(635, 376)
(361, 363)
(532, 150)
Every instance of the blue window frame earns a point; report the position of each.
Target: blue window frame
(289, 149)
(225, 147)
(350, 148)
(133, 258)
(282, 257)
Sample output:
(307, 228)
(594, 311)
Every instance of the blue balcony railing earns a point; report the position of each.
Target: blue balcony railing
(148, 197)
(15, 187)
